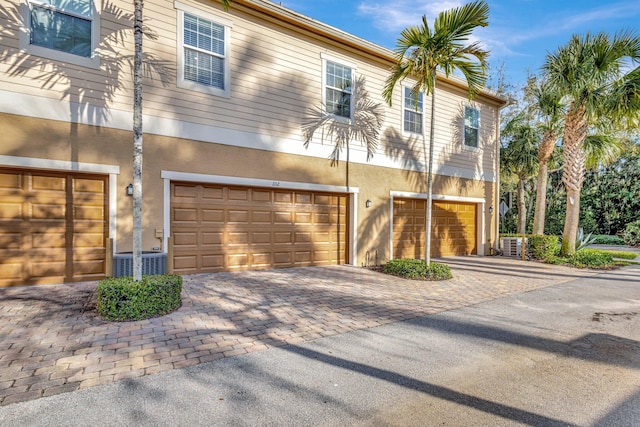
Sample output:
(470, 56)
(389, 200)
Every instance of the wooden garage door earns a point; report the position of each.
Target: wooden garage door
(52, 227)
(453, 230)
(222, 228)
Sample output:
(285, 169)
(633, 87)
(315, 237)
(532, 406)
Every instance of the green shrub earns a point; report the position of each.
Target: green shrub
(632, 233)
(417, 269)
(591, 258)
(120, 298)
(543, 247)
(604, 239)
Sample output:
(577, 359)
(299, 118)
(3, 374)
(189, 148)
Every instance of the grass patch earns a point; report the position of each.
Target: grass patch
(593, 258)
(417, 269)
(122, 299)
(623, 254)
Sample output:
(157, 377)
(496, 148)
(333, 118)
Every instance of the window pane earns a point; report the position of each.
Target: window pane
(410, 100)
(470, 137)
(470, 117)
(203, 34)
(338, 103)
(412, 122)
(62, 32)
(78, 7)
(204, 69)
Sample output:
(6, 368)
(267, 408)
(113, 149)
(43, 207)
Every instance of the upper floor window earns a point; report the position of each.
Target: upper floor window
(338, 89)
(203, 59)
(413, 111)
(471, 127)
(67, 30)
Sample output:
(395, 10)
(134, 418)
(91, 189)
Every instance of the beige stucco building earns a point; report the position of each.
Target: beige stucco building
(228, 180)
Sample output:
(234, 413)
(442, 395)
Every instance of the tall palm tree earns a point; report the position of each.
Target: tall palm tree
(588, 70)
(421, 52)
(549, 109)
(138, 30)
(519, 158)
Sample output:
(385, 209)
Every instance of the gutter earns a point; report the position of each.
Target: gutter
(328, 32)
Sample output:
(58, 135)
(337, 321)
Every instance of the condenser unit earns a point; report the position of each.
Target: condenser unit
(152, 263)
(511, 246)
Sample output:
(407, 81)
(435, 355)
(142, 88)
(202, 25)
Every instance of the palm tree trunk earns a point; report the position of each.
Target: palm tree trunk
(137, 142)
(427, 251)
(575, 132)
(522, 207)
(541, 199)
(544, 154)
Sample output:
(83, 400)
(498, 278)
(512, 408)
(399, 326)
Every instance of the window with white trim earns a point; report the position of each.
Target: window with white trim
(203, 44)
(471, 127)
(413, 109)
(338, 81)
(66, 30)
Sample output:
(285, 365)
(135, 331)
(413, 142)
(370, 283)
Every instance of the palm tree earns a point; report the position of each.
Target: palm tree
(549, 110)
(138, 32)
(588, 70)
(519, 158)
(421, 52)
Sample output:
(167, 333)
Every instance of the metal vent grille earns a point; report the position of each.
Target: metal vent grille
(512, 246)
(152, 263)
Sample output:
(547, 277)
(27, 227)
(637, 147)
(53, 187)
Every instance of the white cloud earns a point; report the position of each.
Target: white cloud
(394, 16)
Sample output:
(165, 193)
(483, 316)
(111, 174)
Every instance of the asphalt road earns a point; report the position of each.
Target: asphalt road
(566, 355)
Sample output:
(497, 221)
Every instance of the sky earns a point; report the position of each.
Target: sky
(519, 35)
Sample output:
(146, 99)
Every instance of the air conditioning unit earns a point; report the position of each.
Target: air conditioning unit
(511, 246)
(152, 263)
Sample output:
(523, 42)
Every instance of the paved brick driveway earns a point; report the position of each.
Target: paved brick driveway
(51, 340)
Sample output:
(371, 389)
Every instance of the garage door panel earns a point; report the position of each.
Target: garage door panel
(215, 262)
(185, 192)
(10, 271)
(261, 228)
(48, 211)
(302, 217)
(210, 193)
(185, 262)
(283, 217)
(187, 215)
(238, 216)
(83, 185)
(49, 183)
(238, 194)
(283, 237)
(261, 237)
(261, 217)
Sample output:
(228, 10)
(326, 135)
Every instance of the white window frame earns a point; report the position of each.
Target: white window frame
(92, 61)
(227, 24)
(464, 126)
(404, 107)
(328, 58)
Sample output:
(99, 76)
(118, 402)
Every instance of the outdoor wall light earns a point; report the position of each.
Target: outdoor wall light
(490, 209)
(368, 203)
(130, 190)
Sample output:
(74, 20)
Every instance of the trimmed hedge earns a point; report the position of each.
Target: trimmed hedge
(122, 299)
(417, 269)
(591, 258)
(543, 247)
(632, 234)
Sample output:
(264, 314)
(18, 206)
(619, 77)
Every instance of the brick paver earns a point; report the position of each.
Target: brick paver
(52, 341)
